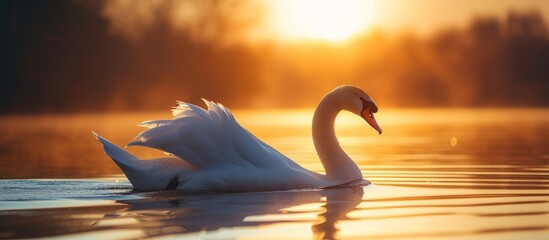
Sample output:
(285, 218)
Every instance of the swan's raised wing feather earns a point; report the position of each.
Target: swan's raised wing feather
(207, 138)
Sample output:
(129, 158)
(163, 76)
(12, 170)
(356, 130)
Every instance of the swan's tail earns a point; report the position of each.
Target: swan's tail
(147, 175)
(119, 155)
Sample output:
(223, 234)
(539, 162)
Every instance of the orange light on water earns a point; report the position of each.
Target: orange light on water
(453, 141)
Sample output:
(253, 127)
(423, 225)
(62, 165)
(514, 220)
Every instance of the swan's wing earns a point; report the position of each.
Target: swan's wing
(207, 138)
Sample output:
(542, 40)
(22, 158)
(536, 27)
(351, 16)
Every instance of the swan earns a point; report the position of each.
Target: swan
(210, 151)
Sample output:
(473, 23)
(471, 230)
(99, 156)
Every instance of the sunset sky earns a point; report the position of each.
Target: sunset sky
(104, 55)
(324, 20)
(337, 20)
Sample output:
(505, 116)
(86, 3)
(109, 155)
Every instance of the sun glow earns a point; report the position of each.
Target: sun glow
(328, 20)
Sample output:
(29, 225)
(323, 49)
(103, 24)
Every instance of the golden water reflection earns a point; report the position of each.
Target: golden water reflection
(373, 211)
(491, 184)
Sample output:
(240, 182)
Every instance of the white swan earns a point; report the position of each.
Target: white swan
(211, 151)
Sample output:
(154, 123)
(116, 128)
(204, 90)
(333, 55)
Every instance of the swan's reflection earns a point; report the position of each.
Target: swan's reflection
(185, 214)
(339, 202)
(176, 212)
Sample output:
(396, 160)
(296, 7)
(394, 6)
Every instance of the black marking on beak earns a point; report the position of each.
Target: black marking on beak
(173, 184)
(368, 104)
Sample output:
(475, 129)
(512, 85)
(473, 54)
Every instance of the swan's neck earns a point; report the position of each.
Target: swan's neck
(338, 165)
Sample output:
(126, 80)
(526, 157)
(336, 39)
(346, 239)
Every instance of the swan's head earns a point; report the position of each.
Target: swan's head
(354, 100)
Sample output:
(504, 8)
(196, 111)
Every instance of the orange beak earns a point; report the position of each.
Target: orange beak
(368, 115)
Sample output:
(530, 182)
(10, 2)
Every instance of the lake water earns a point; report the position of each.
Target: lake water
(452, 174)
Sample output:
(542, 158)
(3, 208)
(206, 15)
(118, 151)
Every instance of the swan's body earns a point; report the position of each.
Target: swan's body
(211, 151)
